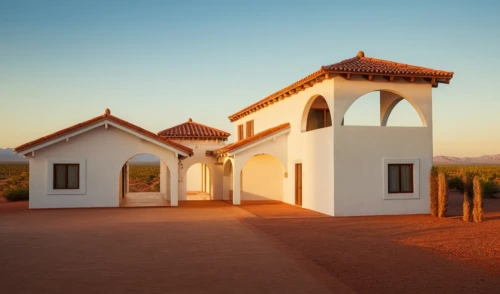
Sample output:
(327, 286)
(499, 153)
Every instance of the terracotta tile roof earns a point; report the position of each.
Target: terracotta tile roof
(106, 116)
(367, 65)
(194, 130)
(358, 65)
(246, 141)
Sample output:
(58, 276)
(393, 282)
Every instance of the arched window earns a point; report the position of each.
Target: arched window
(319, 115)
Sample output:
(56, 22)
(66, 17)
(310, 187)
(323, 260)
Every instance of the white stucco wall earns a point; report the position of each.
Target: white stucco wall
(343, 170)
(164, 180)
(193, 177)
(103, 153)
(199, 149)
(262, 178)
(359, 151)
(315, 157)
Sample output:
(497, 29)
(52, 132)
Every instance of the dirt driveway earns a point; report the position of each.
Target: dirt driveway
(193, 249)
(214, 247)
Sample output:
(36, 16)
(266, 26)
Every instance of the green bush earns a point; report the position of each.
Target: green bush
(16, 194)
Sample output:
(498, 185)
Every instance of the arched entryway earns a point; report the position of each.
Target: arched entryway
(144, 181)
(199, 182)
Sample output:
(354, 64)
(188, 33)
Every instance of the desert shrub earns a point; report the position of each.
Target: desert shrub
(489, 175)
(467, 207)
(442, 194)
(433, 180)
(455, 182)
(477, 211)
(490, 188)
(16, 194)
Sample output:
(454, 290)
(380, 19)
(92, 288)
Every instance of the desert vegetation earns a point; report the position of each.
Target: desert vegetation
(14, 182)
(433, 179)
(474, 182)
(477, 211)
(144, 178)
(442, 194)
(489, 177)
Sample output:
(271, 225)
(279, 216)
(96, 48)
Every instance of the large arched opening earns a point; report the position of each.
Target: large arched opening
(144, 180)
(199, 182)
(316, 114)
(262, 178)
(383, 108)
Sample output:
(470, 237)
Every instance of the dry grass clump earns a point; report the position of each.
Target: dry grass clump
(442, 194)
(433, 180)
(477, 211)
(467, 190)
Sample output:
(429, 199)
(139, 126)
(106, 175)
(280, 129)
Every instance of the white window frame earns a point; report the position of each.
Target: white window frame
(50, 177)
(416, 178)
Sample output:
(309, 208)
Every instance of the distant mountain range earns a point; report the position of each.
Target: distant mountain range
(485, 159)
(8, 156)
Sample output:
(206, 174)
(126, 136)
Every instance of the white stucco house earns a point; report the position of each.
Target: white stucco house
(291, 146)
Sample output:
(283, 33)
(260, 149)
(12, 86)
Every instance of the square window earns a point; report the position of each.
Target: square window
(66, 176)
(400, 178)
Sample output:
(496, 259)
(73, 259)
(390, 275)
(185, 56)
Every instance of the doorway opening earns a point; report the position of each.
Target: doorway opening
(199, 185)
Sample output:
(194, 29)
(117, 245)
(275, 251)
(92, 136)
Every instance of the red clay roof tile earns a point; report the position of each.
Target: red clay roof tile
(367, 65)
(246, 141)
(358, 65)
(193, 130)
(106, 116)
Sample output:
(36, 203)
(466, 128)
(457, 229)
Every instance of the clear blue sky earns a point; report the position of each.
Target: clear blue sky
(157, 63)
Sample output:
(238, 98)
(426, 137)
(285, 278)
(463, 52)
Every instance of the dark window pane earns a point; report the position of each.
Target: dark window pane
(406, 178)
(328, 118)
(315, 119)
(73, 176)
(393, 178)
(59, 176)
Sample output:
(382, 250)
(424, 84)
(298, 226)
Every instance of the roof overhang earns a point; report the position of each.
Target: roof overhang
(233, 149)
(399, 73)
(105, 122)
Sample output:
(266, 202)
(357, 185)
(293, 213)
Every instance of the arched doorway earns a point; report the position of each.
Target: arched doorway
(144, 181)
(199, 182)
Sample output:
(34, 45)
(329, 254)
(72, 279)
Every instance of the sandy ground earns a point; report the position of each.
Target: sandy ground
(394, 254)
(259, 247)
